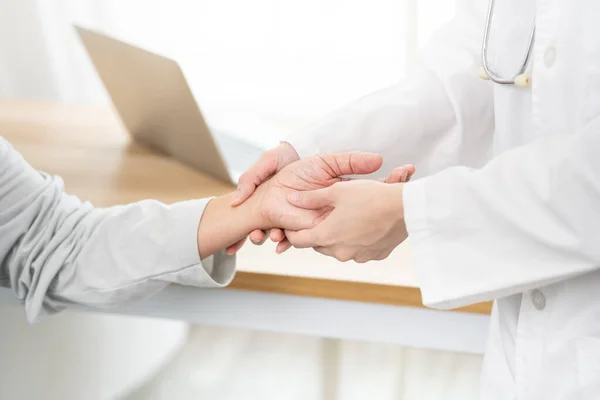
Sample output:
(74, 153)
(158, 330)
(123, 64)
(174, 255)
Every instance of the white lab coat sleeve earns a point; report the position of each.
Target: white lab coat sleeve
(56, 250)
(530, 218)
(440, 116)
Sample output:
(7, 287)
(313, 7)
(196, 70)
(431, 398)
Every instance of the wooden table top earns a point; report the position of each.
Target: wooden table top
(89, 148)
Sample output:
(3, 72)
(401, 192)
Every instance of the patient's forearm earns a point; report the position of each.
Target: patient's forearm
(222, 225)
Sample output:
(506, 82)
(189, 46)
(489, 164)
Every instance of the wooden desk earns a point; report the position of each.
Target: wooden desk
(89, 149)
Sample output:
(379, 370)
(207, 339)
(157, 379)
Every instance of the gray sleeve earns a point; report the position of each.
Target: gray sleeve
(56, 250)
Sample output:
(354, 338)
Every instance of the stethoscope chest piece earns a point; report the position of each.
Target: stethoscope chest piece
(521, 79)
(483, 75)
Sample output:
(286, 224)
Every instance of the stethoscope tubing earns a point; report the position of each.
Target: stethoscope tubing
(493, 76)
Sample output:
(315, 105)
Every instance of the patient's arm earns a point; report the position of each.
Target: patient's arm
(56, 250)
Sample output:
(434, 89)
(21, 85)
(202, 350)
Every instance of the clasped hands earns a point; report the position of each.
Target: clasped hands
(307, 203)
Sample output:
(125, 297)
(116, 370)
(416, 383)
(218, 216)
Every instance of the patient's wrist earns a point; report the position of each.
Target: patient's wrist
(222, 225)
(242, 218)
(255, 212)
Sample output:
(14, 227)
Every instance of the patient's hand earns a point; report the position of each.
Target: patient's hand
(311, 173)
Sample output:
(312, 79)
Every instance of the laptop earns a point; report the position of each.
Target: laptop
(158, 109)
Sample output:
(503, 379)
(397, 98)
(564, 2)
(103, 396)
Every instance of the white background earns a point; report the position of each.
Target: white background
(260, 69)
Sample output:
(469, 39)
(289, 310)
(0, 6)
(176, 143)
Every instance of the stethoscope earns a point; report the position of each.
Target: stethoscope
(520, 79)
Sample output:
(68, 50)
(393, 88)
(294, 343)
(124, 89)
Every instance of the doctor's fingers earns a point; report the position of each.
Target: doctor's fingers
(313, 199)
(258, 236)
(297, 219)
(313, 237)
(370, 255)
(340, 253)
(276, 235)
(345, 253)
(326, 251)
(283, 246)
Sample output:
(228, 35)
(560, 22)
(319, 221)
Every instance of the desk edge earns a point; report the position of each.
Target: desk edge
(339, 290)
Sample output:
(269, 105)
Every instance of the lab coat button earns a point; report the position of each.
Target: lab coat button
(538, 299)
(549, 56)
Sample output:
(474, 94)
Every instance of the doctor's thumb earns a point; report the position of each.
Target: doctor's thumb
(312, 199)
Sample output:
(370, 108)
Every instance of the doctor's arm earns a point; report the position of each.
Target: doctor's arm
(528, 219)
(442, 115)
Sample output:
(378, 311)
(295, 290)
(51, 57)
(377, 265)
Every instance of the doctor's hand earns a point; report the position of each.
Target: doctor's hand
(397, 175)
(361, 220)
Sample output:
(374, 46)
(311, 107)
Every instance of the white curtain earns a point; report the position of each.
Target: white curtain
(259, 69)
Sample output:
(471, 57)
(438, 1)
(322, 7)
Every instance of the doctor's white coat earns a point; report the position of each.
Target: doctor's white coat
(510, 205)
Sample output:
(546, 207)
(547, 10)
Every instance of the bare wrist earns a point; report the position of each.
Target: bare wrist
(222, 225)
(257, 215)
